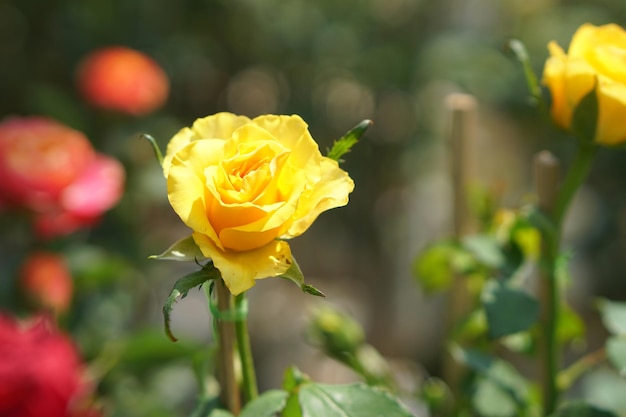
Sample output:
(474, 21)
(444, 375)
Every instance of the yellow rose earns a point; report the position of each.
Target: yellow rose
(597, 54)
(244, 186)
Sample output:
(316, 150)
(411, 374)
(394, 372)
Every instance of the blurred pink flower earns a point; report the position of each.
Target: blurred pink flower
(46, 281)
(122, 79)
(53, 171)
(41, 373)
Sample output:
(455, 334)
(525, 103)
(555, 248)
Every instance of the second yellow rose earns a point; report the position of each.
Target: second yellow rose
(596, 56)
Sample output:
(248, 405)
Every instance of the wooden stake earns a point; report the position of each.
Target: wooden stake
(462, 133)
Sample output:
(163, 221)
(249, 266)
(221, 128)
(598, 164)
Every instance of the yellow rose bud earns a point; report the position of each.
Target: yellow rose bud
(244, 186)
(596, 57)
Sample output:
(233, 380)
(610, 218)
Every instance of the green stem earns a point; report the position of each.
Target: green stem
(250, 389)
(552, 355)
(226, 338)
(576, 175)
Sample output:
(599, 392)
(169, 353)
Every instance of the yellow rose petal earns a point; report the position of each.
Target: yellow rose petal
(218, 126)
(186, 184)
(330, 192)
(240, 269)
(611, 128)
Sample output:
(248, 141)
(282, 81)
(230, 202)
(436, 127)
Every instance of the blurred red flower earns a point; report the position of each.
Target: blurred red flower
(41, 373)
(122, 79)
(46, 281)
(53, 171)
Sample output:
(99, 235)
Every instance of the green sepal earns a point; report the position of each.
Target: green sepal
(532, 82)
(509, 310)
(181, 289)
(185, 249)
(585, 117)
(581, 409)
(343, 145)
(295, 275)
(155, 147)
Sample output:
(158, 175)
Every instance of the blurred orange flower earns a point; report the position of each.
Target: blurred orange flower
(52, 171)
(46, 280)
(122, 79)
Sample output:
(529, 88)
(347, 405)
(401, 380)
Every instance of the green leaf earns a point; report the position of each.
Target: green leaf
(181, 289)
(604, 388)
(266, 405)
(490, 400)
(309, 399)
(508, 310)
(218, 412)
(295, 275)
(613, 315)
(581, 409)
(346, 142)
(183, 250)
(155, 147)
(521, 54)
(616, 352)
(353, 400)
(433, 267)
(485, 249)
(570, 326)
(496, 370)
(585, 117)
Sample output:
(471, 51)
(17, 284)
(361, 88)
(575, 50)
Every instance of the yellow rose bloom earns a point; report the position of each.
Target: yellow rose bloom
(244, 186)
(596, 56)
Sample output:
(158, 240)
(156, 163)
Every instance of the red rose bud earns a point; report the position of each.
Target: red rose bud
(41, 373)
(46, 281)
(122, 79)
(52, 171)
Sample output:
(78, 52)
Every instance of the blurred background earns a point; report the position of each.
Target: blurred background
(334, 63)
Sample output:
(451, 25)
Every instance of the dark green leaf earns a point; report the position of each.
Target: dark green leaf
(616, 352)
(508, 310)
(490, 400)
(182, 287)
(613, 315)
(585, 117)
(183, 250)
(581, 409)
(266, 405)
(354, 400)
(346, 142)
(155, 147)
